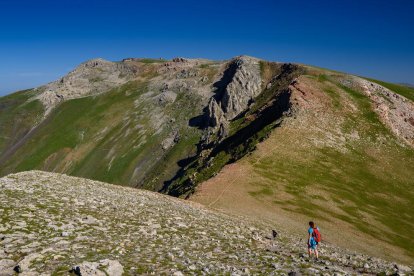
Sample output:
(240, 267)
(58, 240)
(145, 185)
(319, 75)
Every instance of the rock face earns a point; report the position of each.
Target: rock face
(92, 77)
(243, 87)
(239, 83)
(235, 91)
(115, 230)
(215, 115)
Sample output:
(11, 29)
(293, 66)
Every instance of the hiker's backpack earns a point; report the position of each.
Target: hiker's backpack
(316, 235)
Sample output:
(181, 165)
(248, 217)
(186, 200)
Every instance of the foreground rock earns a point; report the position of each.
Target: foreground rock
(56, 223)
(102, 268)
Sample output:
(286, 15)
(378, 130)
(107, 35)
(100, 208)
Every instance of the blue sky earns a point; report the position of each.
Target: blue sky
(41, 40)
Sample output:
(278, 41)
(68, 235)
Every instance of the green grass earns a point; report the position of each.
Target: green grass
(264, 191)
(355, 180)
(336, 98)
(58, 135)
(373, 126)
(322, 78)
(17, 116)
(403, 90)
(152, 60)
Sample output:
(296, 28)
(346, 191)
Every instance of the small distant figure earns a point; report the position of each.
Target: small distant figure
(274, 234)
(313, 240)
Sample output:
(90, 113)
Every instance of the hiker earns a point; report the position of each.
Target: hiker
(313, 239)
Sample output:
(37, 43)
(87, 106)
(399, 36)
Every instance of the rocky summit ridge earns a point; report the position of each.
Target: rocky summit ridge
(89, 78)
(56, 224)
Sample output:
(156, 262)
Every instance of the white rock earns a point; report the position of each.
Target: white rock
(6, 267)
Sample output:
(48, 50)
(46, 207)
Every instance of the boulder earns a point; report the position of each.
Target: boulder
(7, 266)
(101, 268)
(166, 97)
(403, 268)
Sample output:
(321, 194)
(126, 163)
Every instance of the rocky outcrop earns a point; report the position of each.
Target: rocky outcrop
(166, 97)
(225, 140)
(240, 83)
(101, 268)
(136, 232)
(394, 110)
(171, 140)
(243, 87)
(92, 77)
(180, 59)
(215, 115)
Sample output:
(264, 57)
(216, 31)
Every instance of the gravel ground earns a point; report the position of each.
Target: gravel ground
(54, 224)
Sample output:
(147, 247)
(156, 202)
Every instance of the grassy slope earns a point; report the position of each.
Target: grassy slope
(106, 138)
(361, 187)
(403, 90)
(17, 116)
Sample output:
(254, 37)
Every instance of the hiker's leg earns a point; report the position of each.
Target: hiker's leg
(309, 251)
(316, 252)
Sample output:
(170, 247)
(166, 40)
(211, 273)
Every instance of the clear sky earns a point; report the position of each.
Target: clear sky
(41, 40)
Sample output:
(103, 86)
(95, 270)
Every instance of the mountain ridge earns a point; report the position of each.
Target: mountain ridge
(339, 142)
